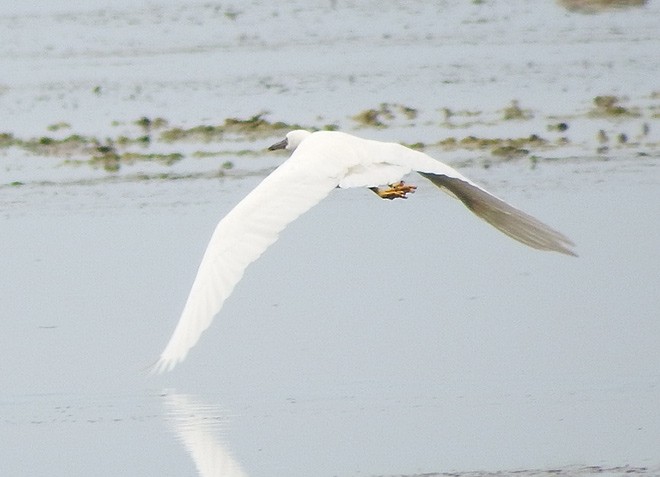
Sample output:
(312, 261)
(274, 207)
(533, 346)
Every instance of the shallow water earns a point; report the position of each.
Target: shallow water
(430, 344)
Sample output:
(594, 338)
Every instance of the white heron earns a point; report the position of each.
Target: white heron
(320, 162)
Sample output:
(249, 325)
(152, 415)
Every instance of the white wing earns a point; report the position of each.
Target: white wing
(240, 238)
(506, 218)
(397, 159)
(501, 215)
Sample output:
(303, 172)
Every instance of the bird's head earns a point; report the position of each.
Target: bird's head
(291, 141)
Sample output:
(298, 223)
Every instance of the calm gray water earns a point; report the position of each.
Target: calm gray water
(375, 338)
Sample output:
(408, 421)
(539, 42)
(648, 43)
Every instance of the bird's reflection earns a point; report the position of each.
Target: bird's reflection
(199, 426)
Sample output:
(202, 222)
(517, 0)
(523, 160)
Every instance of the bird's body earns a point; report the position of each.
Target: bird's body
(321, 162)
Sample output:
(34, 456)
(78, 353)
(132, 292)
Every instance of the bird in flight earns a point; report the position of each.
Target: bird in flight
(320, 162)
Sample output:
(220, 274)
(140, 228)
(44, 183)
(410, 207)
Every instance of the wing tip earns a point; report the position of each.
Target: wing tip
(508, 219)
(554, 242)
(568, 249)
(162, 365)
(564, 250)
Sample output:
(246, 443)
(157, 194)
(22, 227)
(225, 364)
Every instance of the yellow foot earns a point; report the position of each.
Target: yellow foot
(395, 191)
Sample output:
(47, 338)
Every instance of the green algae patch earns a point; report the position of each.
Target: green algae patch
(514, 112)
(599, 6)
(509, 152)
(609, 106)
(153, 140)
(256, 124)
(134, 144)
(125, 141)
(472, 142)
(384, 114)
(252, 128)
(408, 112)
(370, 118)
(49, 146)
(242, 152)
(166, 159)
(418, 146)
(503, 148)
(148, 124)
(455, 119)
(8, 140)
(559, 127)
(106, 156)
(202, 133)
(59, 126)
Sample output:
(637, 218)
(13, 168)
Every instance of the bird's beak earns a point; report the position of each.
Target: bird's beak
(278, 145)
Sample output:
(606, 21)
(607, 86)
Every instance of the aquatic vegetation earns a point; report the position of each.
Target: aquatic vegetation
(106, 155)
(167, 159)
(59, 126)
(150, 139)
(416, 145)
(253, 127)
(127, 141)
(197, 133)
(7, 140)
(408, 112)
(378, 118)
(48, 146)
(202, 154)
(515, 112)
(232, 14)
(448, 143)
(597, 6)
(450, 115)
(374, 117)
(472, 143)
(610, 106)
(256, 124)
(561, 127)
(148, 124)
(509, 152)
(113, 152)
(504, 149)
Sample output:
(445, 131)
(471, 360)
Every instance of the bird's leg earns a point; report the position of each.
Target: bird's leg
(398, 190)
